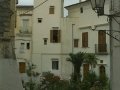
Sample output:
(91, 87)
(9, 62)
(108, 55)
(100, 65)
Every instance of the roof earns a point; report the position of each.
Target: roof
(77, 4)
(24, 6)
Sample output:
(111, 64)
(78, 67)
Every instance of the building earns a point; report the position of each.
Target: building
(9, 76)
(54, 37)
(23, 37)
(46, 35)
(115, 44)
(84, 31)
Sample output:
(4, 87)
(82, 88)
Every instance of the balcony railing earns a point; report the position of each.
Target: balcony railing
(27, 30)
(101, 49)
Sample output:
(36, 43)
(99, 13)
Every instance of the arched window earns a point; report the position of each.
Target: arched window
(102, 70)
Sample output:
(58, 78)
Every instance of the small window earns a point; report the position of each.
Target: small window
(45, 41)
(101, 61)
(55, 36)
(22, 47)
(22, 67)
(76, 42)
(51, 10)
(81, 10)
(55, 65)
(39, 20)
(28, 45)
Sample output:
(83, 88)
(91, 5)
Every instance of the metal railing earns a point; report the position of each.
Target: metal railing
(27, 30)
(101, 49)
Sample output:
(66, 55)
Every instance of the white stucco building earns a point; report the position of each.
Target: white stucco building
(23, 36)
(55, 36)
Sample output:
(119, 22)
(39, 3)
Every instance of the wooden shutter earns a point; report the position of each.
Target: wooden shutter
(51, 36)
(51, 10)
(22, 67)
(85, 39)
(85, 69)
(59, 36)
(76, 42)
(102, 41)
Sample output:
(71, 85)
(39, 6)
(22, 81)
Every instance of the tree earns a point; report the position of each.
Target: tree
(91, 59)
(77, 61)
(30, 85)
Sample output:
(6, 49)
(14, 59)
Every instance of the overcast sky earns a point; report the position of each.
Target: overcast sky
(30, 2)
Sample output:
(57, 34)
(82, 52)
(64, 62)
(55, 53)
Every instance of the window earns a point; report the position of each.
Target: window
(28, 46)
(55, 36)
(81, 10)
(22, 47)
(102, 41)
(55, 65)
(76, 42)
(51, 10)
(45, 41)
(22, 67)
(25, 25)
(39, 20)
(85, 39)
(85, 69)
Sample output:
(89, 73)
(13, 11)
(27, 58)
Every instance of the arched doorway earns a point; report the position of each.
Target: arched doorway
(102, 70)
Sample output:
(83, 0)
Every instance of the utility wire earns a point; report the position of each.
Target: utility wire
(35, 7)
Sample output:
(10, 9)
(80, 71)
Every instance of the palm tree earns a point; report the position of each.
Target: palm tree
(77, 61)
(91, 59)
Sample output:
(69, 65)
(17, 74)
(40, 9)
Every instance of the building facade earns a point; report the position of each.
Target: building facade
(46, 35)
(9, 76)
(23, 37)
(115, 44)
(54, 37)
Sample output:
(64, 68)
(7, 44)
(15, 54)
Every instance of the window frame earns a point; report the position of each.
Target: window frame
(52, 10)
(85, 39)
(76, 43)
(40, 20)
(28, 45)
(81, 9)
(55, 61)
(22, 69)
(53, 35)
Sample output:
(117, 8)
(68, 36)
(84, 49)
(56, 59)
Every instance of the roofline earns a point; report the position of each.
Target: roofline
(76, 4)
(22, 6)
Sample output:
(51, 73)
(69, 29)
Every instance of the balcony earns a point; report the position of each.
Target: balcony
(101, 49)
(25, 31)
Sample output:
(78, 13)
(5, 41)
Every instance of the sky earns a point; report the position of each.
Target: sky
(30, 2)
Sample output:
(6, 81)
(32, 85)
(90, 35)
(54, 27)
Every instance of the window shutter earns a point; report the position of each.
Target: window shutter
(76, 42)
(85, 69)
(85, 39)
(59, 35)
(22, 67)
(102, 41)
(51, 10)
(51, 36)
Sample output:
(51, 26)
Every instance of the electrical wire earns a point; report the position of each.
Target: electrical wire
(35, 7)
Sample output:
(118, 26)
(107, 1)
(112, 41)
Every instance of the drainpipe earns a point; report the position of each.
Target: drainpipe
(72, 37)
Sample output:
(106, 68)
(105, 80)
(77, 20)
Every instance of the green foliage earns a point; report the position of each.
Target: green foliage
(77, 61)
(31, 84)
(52, 82)
(91, 59)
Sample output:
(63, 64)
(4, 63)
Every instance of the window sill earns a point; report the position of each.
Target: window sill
(85, 47)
